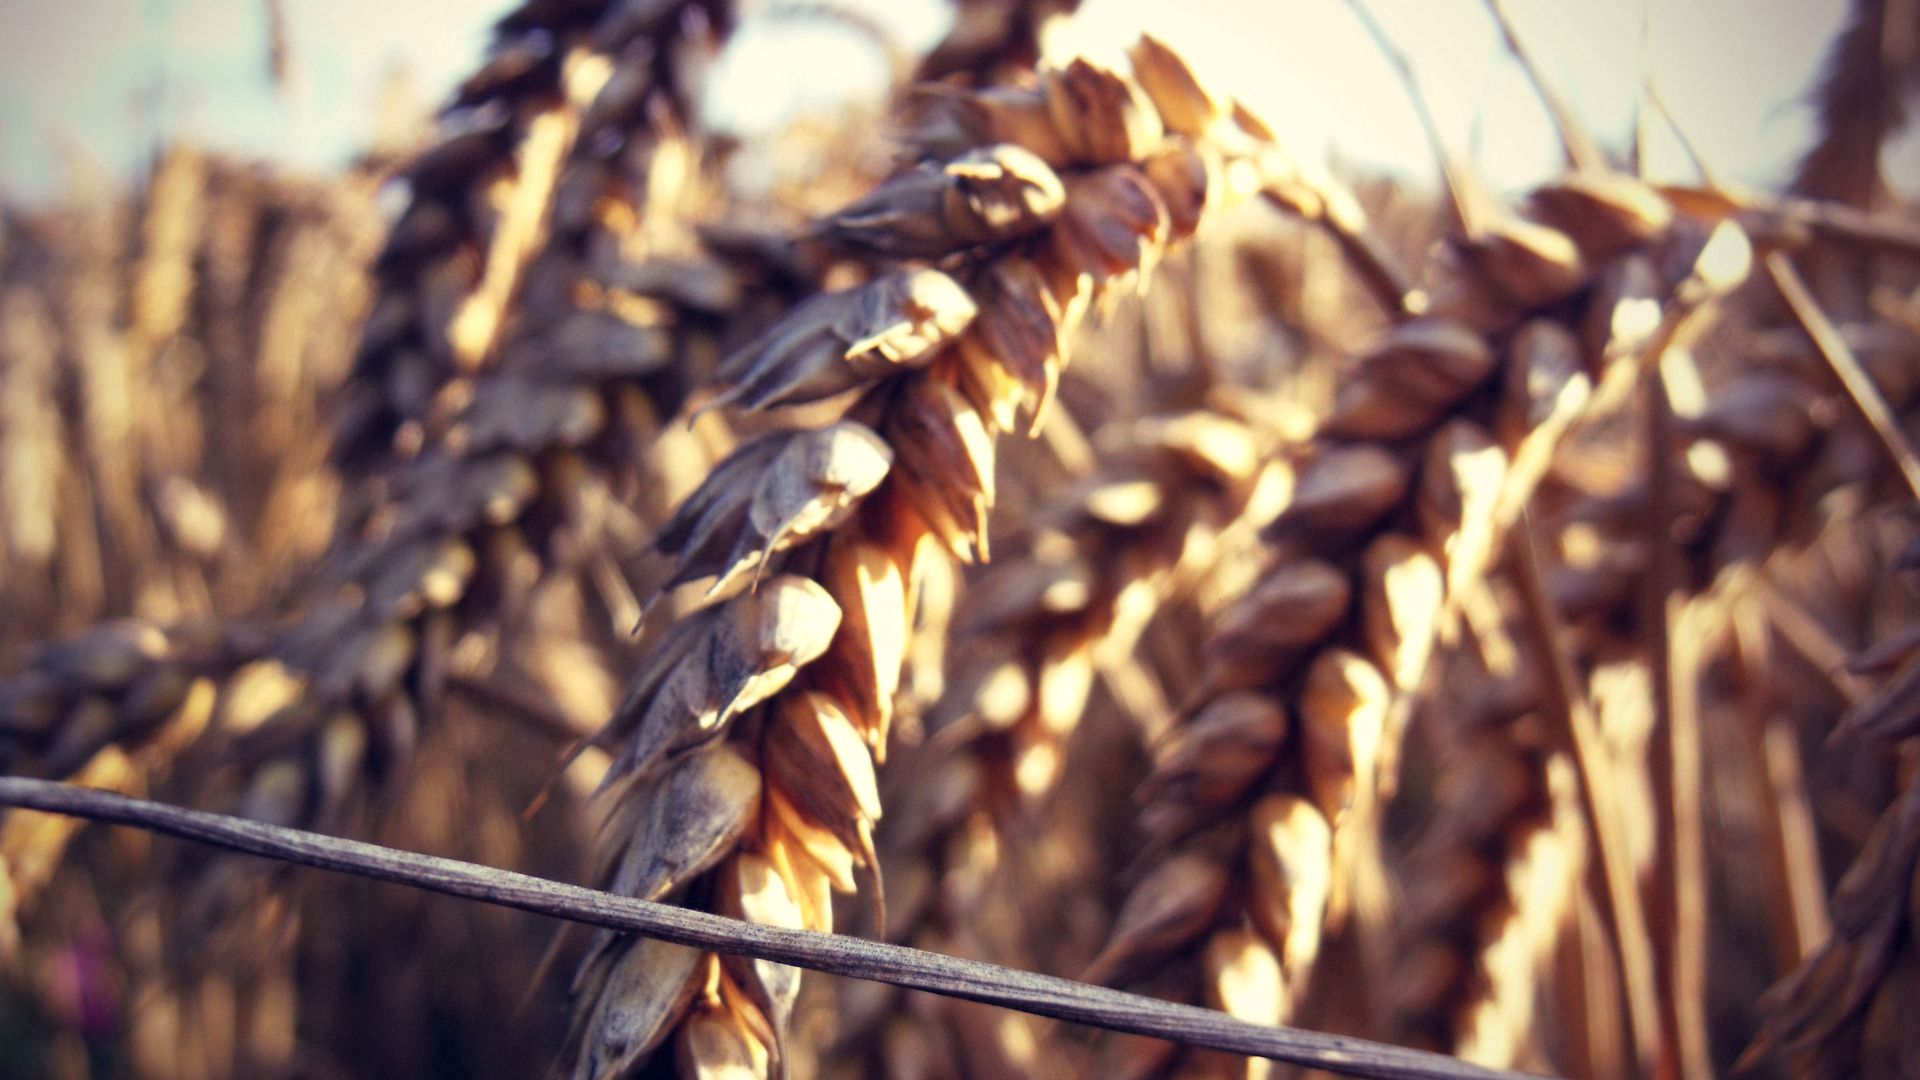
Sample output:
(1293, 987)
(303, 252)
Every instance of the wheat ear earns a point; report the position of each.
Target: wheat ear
(550, 371)
(1175, 500)
(753, 722)
(460, 525)
(1398, 507)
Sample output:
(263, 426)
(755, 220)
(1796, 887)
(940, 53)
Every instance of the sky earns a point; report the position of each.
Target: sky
(102, 79)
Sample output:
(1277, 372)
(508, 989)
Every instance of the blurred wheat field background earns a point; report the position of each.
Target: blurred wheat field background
(1005, 497)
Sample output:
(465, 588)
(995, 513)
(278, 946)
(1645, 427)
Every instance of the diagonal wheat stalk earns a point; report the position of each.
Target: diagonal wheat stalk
(534, 325)
(1043, 995)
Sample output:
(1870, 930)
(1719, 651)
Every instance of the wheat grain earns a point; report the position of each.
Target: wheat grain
(1177, 500)
(497, 454)
(570, 272)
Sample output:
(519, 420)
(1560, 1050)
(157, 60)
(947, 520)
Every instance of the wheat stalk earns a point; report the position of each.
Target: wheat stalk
(263, 256)
(480, 210)
(258, 635)
(30, 447)
(842, 955)
(492, 461)
(497, 454)
(240, 302)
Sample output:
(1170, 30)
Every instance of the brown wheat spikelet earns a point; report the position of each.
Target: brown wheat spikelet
(508, 202)
(1709, 527)
(761, 460)
(1831, 1014)
(1783, 416)
(231, 317)
(503, 476)
(466, 521)
(1396, 509)
(1040, 201)
(245, 273)
(501, 452)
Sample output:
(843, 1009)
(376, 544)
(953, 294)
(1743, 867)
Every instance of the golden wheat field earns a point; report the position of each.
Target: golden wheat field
(1038, 519)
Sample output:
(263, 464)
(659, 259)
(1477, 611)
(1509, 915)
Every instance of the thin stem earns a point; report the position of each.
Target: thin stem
(1799, 911)
(1592, 1005)
(1042, 995)
(1466, 198)
(1814, 642)
(1674, 661)
(1650, 92)
(1786, 221)
(1579, 731)
(1853, 376)
(1582, 154)
(1684, 316)
(1789, 221)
